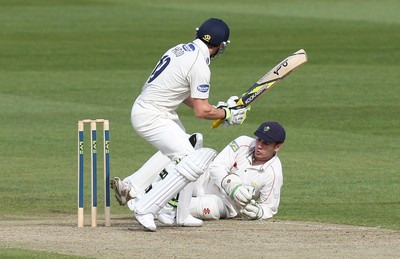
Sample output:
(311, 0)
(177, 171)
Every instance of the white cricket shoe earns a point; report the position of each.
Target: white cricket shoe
(147, 221)
(121, 190)
(191, 221)
(167, 215)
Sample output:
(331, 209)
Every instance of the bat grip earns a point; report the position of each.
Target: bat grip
(216, 123)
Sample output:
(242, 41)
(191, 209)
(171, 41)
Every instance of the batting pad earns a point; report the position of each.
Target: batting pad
(188, 170)
(143, 177)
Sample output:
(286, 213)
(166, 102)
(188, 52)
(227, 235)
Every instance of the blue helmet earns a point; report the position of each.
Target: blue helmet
(213, 31)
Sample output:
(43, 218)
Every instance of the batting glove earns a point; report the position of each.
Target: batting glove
(252, 211)
(236, 115)
(221, 105)
(232, 101)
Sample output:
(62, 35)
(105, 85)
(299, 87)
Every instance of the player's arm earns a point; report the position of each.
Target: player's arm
(189, 102)
(223, 174)
(270, 196)
(204, 110)
(222, 165)
(267, 204)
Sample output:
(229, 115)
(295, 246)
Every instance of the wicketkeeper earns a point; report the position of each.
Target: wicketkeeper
(245, 179)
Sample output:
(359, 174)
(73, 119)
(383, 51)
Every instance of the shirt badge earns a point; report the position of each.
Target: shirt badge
(234, 146)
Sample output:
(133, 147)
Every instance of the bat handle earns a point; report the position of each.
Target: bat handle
(216, 123)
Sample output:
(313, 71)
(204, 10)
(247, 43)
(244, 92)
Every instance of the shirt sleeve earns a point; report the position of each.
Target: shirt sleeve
(222, 165)
(225, 161)
(199, 79)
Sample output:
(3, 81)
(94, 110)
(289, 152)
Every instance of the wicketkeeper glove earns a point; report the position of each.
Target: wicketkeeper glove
(252, 211)
(233, 186)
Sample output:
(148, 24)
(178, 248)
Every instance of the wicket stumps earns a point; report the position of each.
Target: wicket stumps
(106, 149)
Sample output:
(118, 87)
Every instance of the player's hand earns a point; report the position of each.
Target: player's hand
(232, 101)
(252, 211)
(235, 115)
(233, 186)
(221, 105)
(242, 195)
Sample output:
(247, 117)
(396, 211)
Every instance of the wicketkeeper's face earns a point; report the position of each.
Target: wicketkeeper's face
(265, 150)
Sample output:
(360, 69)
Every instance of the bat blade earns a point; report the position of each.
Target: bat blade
(270, 79)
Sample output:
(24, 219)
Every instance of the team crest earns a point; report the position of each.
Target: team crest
(207, 37)
(266, 129)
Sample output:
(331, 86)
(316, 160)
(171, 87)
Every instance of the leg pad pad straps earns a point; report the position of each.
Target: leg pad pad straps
(188, 170)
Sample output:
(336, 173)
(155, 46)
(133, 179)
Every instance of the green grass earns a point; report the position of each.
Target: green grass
(61, 61)
(10, 253)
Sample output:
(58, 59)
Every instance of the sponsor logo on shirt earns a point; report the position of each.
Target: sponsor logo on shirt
(234, 146)
(178, 51)
(203, 88)
(189, 47)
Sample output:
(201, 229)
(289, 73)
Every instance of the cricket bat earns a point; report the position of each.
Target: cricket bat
(270, 79)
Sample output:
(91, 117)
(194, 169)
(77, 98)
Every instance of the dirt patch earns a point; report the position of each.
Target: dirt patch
(216, 239)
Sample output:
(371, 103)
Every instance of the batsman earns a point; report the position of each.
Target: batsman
(182, 75)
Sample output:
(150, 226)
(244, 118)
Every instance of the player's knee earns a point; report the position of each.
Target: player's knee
(208, 207)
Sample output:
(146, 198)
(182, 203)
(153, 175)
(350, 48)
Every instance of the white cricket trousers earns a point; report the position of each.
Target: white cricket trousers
(163, 130)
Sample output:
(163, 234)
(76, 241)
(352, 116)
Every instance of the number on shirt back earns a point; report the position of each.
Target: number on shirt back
(161, 65)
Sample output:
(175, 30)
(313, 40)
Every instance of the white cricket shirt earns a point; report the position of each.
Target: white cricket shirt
(267, 179)
(182, 71)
